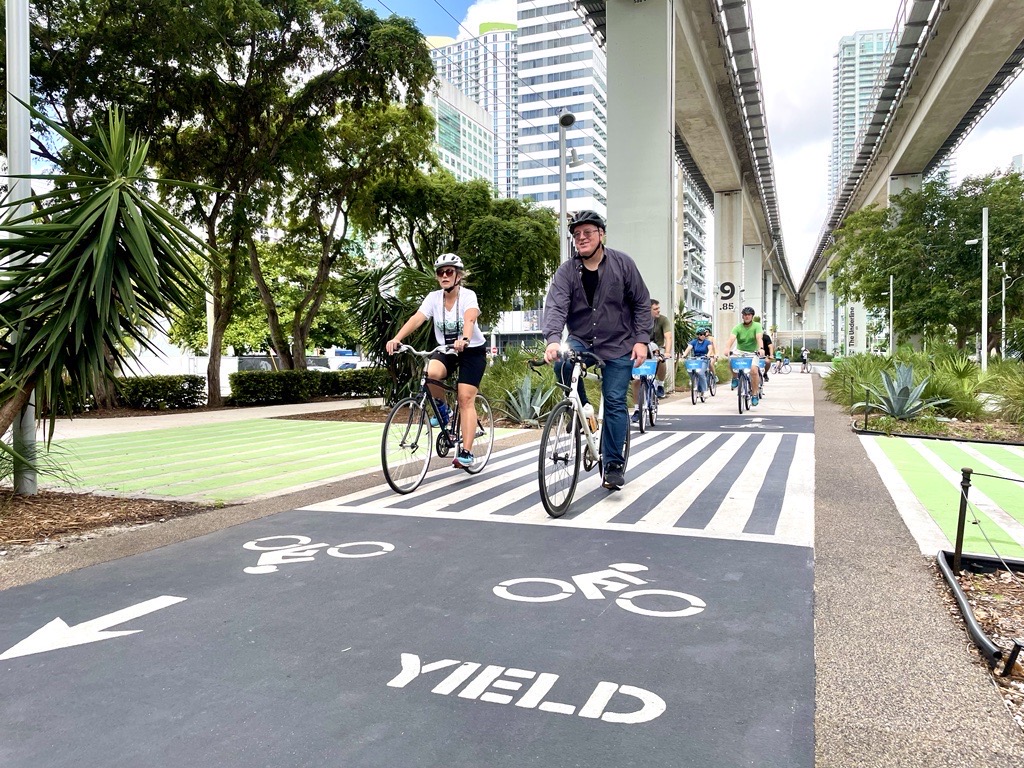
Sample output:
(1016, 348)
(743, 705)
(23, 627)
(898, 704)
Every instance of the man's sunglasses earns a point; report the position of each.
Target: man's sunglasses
(445, 272)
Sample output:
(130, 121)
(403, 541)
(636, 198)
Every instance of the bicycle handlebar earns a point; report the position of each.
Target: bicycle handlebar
(443, 348)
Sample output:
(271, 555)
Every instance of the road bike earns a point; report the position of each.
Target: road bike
(647, 393)
(741, 364)
(781, 365)
(408, 440)
(694, 367)
(569, 438)
(762, 364)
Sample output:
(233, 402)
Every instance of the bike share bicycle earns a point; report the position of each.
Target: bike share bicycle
(408, 440)
(566, 431)
(741, 363)
(694, 367)
(647, 393)
(781, 365)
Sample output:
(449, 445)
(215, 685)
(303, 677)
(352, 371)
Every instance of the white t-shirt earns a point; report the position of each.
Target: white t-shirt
(448, 323)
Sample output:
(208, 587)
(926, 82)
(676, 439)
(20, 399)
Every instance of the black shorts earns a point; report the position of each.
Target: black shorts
(471, 364)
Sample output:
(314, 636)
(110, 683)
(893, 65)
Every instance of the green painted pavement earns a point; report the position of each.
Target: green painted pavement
(941, 498)
(222, 462)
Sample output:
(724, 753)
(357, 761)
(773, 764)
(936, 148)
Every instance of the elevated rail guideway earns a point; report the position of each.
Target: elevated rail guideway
(685, 82)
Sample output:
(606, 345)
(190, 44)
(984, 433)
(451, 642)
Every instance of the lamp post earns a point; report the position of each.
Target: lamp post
(892, 333)
(19, 163)
(565, 120)
(984, 286)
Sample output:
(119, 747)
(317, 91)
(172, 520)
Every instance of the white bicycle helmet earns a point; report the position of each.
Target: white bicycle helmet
(448, 260)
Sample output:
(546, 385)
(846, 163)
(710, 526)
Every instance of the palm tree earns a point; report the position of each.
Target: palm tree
(94, 265)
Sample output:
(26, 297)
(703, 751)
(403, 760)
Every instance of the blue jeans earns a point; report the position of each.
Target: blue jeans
(615, 379)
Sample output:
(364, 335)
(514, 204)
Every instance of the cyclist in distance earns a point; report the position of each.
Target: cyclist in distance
(702, 346)
(747, 338)
(601, 298)
(661, 339)
(805, 364)
(769, 351)
(453, 309)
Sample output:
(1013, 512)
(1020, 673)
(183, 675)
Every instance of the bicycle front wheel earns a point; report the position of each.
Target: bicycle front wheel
(641, 405)
(786, 367)
(558, 470)
(693, 388)
(406, 445)
(483, 438)
(712, 382)
(652, 407)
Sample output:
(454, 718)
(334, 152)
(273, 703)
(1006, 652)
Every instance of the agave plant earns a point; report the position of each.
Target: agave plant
(526, 404)
(900, 398)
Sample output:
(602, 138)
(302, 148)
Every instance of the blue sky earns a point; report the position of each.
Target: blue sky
(435, 17)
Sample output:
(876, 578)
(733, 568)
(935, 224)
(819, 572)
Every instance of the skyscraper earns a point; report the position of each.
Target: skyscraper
(462, 134)
(484, 68)
(561, 68)
(858, 61)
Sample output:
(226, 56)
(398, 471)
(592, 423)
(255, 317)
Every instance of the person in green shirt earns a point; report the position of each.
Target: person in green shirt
(746, 337)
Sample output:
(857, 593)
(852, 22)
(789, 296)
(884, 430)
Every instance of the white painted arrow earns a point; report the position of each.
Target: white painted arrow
(758, 419)
(57, 634)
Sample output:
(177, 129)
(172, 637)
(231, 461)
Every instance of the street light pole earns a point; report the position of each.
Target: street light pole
(984, 289)
(1002, 319)
(892, 335)
(565, 120)
(983, 354)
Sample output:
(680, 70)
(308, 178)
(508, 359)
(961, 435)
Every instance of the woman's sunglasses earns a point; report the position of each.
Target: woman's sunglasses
(445, 272)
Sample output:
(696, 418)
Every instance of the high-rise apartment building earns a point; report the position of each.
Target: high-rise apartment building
(463, 137)
(484, 69)
(691, 252)
(858, 61)
(561, 68)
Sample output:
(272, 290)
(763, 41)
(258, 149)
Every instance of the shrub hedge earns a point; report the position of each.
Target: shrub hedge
(162, 392)
(270, 387)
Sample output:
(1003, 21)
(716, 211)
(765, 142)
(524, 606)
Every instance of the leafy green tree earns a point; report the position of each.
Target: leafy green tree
(88, 271)
(233, 94)
(509, 247)
(920, 241)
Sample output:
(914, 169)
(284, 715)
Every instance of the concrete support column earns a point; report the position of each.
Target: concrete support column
(641, 140)
(897, 184)
(753, 279)
(728, 264)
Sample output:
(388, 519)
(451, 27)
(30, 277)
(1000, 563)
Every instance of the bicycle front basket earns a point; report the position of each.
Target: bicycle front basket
(696, 363)
(741, 363)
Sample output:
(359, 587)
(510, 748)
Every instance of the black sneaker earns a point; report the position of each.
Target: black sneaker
(614, 477)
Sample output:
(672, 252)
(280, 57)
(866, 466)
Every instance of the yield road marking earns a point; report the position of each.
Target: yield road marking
(57, 634)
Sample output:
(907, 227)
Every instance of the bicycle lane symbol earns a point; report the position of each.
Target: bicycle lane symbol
(593, 586)
(299, 549)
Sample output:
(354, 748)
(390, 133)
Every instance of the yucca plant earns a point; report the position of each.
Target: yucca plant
(899, 399)
(93, 266)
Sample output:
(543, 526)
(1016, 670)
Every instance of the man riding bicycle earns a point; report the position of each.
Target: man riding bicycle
(602, 299)
(747, 338)
(454, 310)
(661, 341)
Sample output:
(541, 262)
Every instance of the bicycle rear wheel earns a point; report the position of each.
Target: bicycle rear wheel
(483, 439)
(558, 470)
(406, 445)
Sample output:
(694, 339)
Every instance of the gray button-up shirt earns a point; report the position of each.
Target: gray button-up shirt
(621, 315)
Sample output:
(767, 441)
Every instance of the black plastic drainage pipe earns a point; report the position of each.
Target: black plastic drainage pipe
(988, 649)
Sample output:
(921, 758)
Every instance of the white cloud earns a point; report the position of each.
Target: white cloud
(483, 11)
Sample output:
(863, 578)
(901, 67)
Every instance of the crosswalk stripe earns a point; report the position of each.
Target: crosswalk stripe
(748, 486)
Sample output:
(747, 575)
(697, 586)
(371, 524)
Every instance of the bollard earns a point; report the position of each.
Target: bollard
(961, 521)
(1018, 644)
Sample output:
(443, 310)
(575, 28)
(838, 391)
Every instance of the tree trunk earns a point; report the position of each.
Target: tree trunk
(10, 410)
(277, 339)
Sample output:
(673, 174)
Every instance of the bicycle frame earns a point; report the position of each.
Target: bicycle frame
(573, 395)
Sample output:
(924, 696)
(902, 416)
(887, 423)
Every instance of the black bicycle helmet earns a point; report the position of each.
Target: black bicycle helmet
(586, 217)
(747, 311)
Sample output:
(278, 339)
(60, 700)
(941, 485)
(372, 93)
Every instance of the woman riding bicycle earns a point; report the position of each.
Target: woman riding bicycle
(454, 310)
(702, 346)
